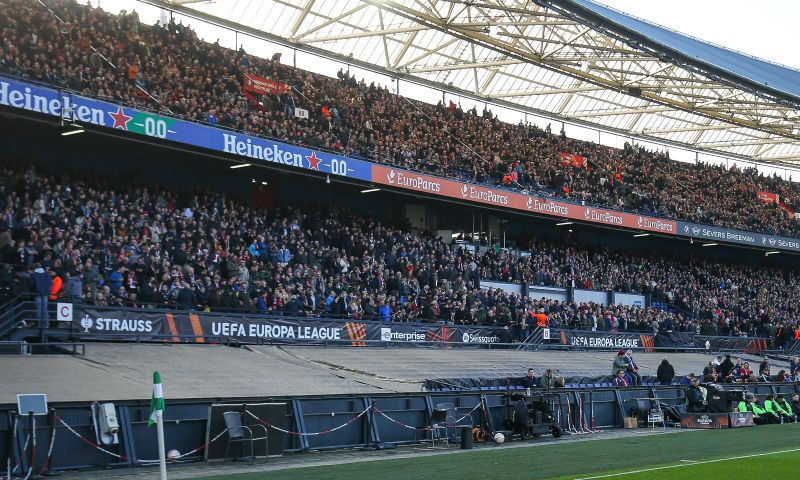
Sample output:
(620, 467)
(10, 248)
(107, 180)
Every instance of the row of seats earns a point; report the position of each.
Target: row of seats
(519, 387)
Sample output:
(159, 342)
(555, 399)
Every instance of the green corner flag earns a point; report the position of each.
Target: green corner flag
(157, 401)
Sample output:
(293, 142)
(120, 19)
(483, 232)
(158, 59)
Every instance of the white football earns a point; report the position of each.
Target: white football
(499, 438)
(173, 455)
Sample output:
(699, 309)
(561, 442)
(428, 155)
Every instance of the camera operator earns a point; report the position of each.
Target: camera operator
(547, 381)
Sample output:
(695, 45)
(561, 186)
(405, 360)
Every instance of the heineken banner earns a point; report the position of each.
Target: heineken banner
(615, 340)
(148, 325)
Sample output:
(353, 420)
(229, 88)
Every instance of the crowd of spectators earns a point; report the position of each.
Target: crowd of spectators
(129, 245)
(168, 67)
(724, 369)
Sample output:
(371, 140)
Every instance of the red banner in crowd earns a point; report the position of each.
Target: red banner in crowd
(262, 86)
(576, 161)
(517, 201)
(768, 197)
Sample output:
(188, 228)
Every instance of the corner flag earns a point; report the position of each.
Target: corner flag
(157, 401)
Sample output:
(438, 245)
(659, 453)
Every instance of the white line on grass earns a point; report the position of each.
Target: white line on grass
(643, 470)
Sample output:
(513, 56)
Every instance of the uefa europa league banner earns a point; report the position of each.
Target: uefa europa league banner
(614, 340)
(145, 325)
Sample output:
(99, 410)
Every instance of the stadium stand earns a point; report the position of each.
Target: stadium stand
(132, 246)
(167, 67)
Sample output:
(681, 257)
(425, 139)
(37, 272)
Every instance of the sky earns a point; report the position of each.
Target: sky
(768, 32)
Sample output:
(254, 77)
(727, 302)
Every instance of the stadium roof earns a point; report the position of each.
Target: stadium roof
(570, 59)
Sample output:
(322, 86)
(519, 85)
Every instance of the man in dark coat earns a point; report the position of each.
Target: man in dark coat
(665, 372)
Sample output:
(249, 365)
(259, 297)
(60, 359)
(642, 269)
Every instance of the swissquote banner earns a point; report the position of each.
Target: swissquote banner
(144, 325)
(262, 86)
(614, 340)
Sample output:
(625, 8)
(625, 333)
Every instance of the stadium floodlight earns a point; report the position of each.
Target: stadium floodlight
(73, 132)
(638, 235)
(712, 244)
(370, 190)
(241, 165)
(561, 224)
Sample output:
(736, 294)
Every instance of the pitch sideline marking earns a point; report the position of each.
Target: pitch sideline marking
(608, 475)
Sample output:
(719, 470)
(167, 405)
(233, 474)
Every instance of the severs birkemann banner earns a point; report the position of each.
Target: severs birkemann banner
(144, 325)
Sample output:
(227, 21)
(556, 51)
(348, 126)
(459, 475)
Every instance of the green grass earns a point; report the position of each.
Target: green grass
(585, 459)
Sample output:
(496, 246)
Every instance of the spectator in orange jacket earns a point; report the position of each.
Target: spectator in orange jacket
(56, 286)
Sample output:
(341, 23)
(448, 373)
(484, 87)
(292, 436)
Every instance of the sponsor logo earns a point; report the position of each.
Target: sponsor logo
(704, 420)
(695, 230)
(602, 216)
(606, 342)
(470, 338)
(86, 323)
(49, 102)
(268, 330)
(639, 222)
(655, 224)
(484, 195)
(261, 150)
(772, 241)
(763, 240)
(547, 206)
(387, 335)
(124, 325)
(416, 182)
(686, 229)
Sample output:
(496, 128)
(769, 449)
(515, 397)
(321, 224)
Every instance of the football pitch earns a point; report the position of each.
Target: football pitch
(768, 452)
